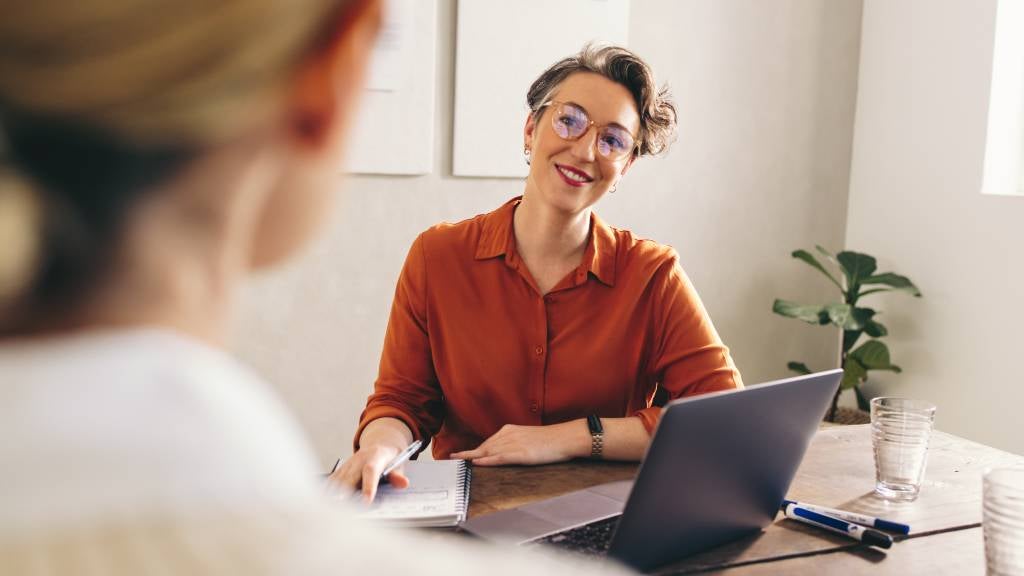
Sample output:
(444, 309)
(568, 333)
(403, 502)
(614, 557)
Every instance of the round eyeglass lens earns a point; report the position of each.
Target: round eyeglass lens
(569, 122)
(614, 142)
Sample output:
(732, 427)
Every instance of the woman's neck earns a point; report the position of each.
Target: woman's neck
(183, 251)
(545, 234)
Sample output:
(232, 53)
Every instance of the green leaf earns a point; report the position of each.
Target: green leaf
(831, 257)
(850, 338)
(859, 318)
(853, 374)
(838, 314)
(897, 282)
(856, 267)
(812, 314)
(811, 260)
(874, 355)
(875, 329)
(847, 317)
(798, 367)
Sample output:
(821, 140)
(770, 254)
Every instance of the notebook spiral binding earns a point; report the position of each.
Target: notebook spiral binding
(462, 489)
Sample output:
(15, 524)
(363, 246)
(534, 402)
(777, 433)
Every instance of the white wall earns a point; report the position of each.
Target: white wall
(766, 95)
(915, 202)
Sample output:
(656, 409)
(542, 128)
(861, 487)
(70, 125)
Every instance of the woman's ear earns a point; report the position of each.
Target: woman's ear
(328, 83)
(627, 165)
(528, 131)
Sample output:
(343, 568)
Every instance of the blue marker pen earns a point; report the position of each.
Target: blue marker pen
(855, 517)
(837, 525)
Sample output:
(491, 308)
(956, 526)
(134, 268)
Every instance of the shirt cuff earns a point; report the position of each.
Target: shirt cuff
(649, 417)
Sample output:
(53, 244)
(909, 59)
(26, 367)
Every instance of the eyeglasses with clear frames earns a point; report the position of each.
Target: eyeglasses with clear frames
(570, 121)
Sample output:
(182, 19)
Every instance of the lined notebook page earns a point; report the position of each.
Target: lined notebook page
(438, 495)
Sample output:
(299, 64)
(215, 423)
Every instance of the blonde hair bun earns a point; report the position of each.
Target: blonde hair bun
(19, 235)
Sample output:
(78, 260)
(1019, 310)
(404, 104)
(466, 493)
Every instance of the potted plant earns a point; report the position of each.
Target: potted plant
(853, 321)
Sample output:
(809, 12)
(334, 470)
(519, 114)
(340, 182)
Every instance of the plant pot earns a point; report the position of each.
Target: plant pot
(845, 415)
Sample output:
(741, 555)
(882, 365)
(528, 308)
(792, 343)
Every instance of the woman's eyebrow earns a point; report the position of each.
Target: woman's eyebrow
(580, 106)
(587, 112)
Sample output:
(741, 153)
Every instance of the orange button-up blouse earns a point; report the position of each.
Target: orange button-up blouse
(472, 345)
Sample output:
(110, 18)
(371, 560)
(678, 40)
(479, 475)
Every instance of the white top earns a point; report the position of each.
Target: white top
(127, 424)
(140, 451)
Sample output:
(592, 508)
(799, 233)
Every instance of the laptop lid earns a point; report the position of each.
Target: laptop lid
(718, 467)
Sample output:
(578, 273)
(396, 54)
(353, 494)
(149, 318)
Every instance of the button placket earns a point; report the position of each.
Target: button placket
(539, 352)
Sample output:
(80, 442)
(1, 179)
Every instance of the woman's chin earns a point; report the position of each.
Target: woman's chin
(571, 199)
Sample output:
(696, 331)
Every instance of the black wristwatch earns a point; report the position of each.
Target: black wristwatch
(596, 436)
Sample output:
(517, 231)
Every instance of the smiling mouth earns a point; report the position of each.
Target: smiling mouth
(574, 176)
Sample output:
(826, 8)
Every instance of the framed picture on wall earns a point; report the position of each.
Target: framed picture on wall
(501, 47)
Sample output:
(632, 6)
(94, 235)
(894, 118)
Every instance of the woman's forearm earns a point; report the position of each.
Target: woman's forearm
(624, 438)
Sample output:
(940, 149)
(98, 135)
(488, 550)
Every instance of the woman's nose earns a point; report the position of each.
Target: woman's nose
(583, 147)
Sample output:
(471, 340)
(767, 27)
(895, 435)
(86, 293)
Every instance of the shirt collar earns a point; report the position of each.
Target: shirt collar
(601, 253)
(497, 239)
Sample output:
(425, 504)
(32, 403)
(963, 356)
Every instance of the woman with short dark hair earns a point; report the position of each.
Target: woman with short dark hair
(537, 333)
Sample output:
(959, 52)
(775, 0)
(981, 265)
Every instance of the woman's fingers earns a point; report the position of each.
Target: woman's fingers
(469, 454)
(361, 473)
(489, 446)
(494, 460)
(370, 478)
(492, 453)
(398, 479)
(342, 477)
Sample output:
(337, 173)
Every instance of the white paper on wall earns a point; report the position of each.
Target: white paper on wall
(394, 128)
(395, 47)
(501, 48)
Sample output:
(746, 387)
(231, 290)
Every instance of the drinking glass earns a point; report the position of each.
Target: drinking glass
(900, 430)
(1003, 520)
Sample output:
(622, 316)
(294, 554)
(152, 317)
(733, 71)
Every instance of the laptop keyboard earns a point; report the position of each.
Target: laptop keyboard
(591, 539)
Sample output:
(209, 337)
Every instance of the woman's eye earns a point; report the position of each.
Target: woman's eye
(614, 143)
(569, 121)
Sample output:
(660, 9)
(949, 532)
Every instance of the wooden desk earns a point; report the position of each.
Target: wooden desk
(838, 471)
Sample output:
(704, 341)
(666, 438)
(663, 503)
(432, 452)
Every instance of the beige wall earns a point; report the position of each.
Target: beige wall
(915, 202)
(766, 94)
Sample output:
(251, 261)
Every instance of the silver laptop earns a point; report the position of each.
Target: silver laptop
(716, 470)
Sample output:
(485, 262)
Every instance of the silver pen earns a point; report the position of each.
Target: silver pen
(395, 462)
(402, 457)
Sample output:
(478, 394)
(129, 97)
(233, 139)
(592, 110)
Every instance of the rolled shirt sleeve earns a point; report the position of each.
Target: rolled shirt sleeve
(688, 356)
(407, 387)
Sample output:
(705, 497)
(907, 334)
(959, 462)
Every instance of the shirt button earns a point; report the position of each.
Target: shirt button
(539, 350)
(534, 407)
(549, 299)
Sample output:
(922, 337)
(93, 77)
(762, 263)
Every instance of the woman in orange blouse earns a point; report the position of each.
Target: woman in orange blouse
(510, 329)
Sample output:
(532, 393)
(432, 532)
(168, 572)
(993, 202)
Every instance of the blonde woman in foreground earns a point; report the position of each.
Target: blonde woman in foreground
(154, 152)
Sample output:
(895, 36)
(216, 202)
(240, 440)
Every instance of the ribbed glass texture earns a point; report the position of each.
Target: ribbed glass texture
(900, 430)
(1003, 521)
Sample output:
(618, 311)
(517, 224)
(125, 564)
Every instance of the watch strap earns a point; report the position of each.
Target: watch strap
(596, 436)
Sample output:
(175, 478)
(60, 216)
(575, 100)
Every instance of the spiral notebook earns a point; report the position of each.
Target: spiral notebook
(438, 495)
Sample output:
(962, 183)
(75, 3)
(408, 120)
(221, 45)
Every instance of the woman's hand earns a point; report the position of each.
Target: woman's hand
(379, 443)
(531, 445)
